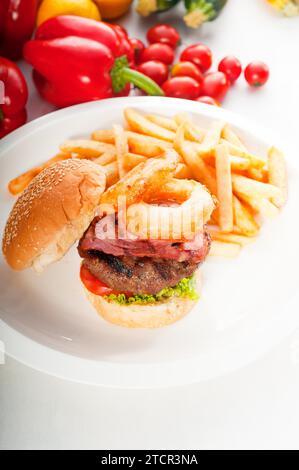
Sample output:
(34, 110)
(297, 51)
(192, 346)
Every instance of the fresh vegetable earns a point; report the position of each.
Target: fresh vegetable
(147, 7)
(158, 51)
(78, 59)
(231, 66)
(215, 85)
(125, 47)
(17, 22)
(120, 29)
(138, 47)
(185, 288)
(287, 7)
(199, 54)
(201, 11)
(187, 69)
(12, 111)
(112, 9)
(154, 69)
(256, 73)
(165, 34)
(92, 283)
(182, 87)
(207, 100)
(51, 8)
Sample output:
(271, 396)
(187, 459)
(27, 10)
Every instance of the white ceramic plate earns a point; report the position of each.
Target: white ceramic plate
(248, 304)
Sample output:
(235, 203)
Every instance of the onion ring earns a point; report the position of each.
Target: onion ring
(146, 177)
(190, 208)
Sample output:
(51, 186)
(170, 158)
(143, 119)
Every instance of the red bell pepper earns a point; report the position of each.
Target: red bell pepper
(126, 47)
(78, 59)
(12, 104)
(17, 22)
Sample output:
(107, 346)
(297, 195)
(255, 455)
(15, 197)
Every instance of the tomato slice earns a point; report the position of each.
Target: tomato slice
(93, 284)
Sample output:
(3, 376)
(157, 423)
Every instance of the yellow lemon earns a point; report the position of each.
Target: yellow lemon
(51, 8)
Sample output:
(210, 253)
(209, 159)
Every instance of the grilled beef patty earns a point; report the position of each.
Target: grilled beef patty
(140, 266)
(137, 275)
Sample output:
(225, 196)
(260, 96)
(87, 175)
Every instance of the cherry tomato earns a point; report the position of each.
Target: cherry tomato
(154, 69)
(158, 51)
(215, 85)
(182, 87)
(207, 100)
(231, 66)
(199, 54)
(257, 73)
(138, 47)
(187, 69)
(93, 284)
(165, 34)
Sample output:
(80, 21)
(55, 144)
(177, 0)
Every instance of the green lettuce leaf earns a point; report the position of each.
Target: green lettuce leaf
(185, 288)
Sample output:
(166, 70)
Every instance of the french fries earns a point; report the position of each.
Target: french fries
(192, 132)
(278, 175)
(261, 206)
(224, 249)
(139, 123)
(149, 155)
(138, 143)
(104, 135)
(106, 158)
(162, 121)
(230, 136)
(121, 146)
(211, 139)
(237, 164)
(200, 171)
(230, 237)
(224, 188)
(111, 171)
(244, 219)
(146, 145)
(18, 184)
(255, 162)
(251, 188)
(86, 148)
(130, 160)
(257, 174)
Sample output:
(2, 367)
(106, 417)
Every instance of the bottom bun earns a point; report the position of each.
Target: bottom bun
(141, 315)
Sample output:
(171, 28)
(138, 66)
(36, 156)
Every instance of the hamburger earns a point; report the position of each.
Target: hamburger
(131, 281)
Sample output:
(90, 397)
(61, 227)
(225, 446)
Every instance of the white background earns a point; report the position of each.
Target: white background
(256, 407)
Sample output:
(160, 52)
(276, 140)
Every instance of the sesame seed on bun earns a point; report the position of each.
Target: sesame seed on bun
(52, 213)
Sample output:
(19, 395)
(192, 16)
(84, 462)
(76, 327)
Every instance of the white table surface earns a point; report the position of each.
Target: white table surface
(256, 407)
